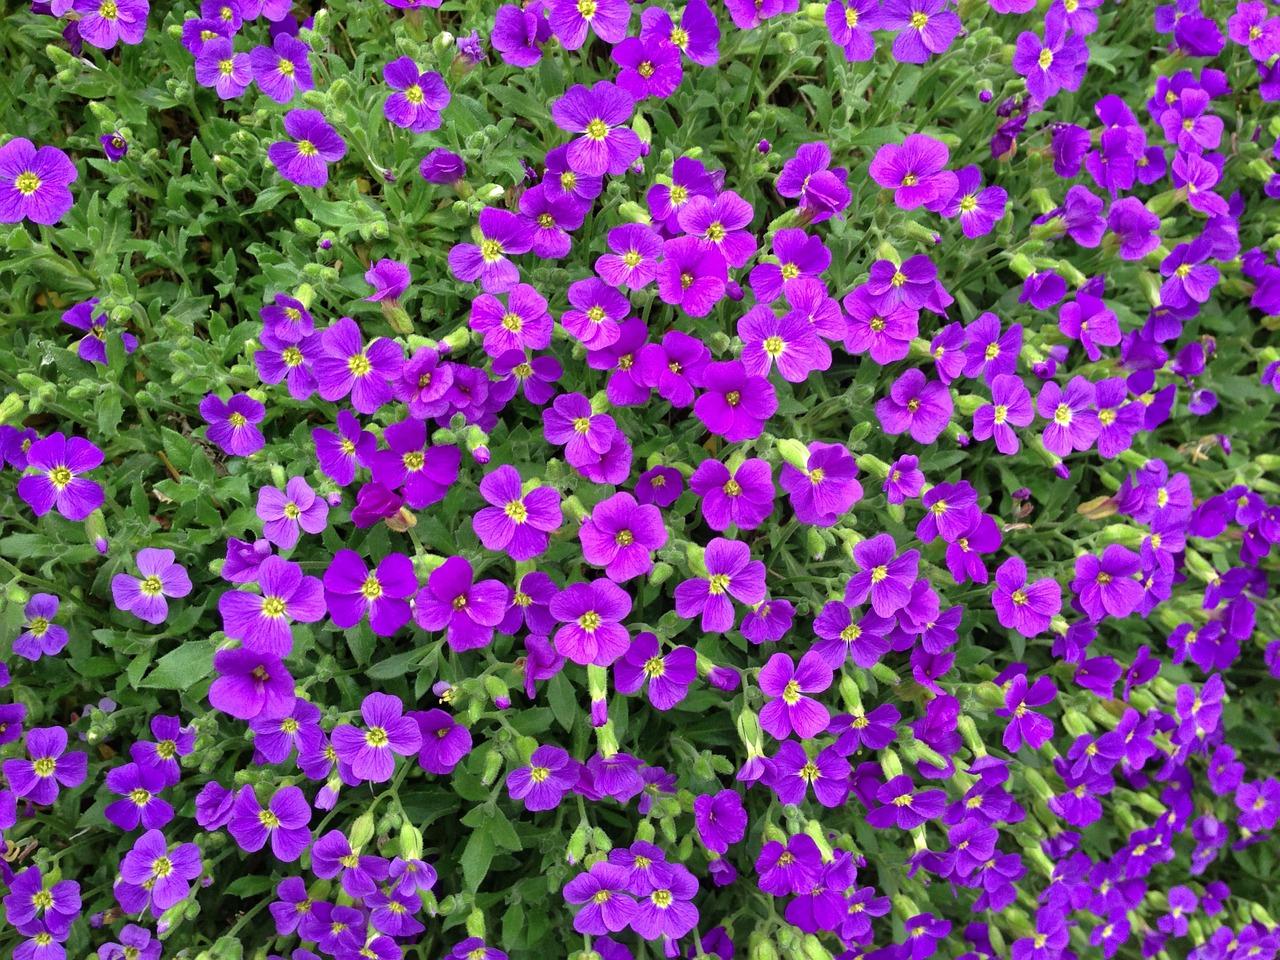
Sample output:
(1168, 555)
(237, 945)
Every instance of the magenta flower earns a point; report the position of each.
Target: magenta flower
(58, 462)
(786, 683)
(516, 522)
(978, 209)
(915, 405)
(261, 621)
(93, 346)
(144, 596)
(35, 184)
(591, 615)
(885, 334)
(598, 114)
(523, 324)
(417, 97)
(722, 223)
(233, 423)
(598, 313)
(549, 775)
(466, 610)
(691, 276)
(220, 68)
(667, 912)
(850, 23)
(103, 23)
(744, 498)
(341, 452)
(1056, 63)
(48, 767)
(903, 807)
(251, 685)
(351, 591)
(649, 67)
(445, 742)
(734, 404)
(285, 513)
(731, 575)
(915, 171)
(369, 752)
(305, 160)
(621, 536)
(633, 258)
(822, 190)
(284, 821)
(1022, 606)
(790, 341)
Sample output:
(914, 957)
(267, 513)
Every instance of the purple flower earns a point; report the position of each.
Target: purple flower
(387, 731)
(885, 334)
(649, 67)
(1073, 423)
(1025, 725)
(281, 359)
(442, 166)
(233, 423)
(633, 260)
(591, 615)
(904, 480)
(518, 34)
(744, 498)
(284, 514)
(790, 341)
(697, 36)
(722, 223)
(731, 574)
(550, 216)
(136, 943)
(1010, 407)
(607, 907)
(885, 577)
(1105, 586)
(549, 775)
(103, 23)
(282, 70)
(1136, 227)
(389, 279)
(262, 621)
(48, 767)
(915, 169)
(691, 276)
(735, 404)
(138, 788)
(466, 610)
(668, 911)
(720, 818)
(31, 900)
(417, 98)
(850, 23)
(1057, 63)
(515, 522)
(502, 234)
(1022, 606)
(786, 683)
(669, 676)
(316, 145)
(827, 487)
(808, 175)
(349, 367)
(598, 114)
(915, 405)
(144, 595)
(425, 473)
(92, 346)
(284, 821)
(1090, 321)
(40, 636)
(903, 807)
(924, 27)
(445, 742)
(978, 209)
(621, 536)
(800, 257)
(165, 874)
(58, 462)
(598, 313)
(570, 19)
(219, 67)
(339, 453)
(250, 685)
(351, 591)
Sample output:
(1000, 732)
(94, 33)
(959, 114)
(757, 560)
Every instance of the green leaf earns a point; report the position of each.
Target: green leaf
(476, 858)
(249, 886)
(563, 703)
(179, 669)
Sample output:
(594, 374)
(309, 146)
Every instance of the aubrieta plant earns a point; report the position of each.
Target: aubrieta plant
(645, 480)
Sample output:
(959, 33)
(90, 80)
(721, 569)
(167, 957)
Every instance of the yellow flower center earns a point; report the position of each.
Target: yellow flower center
(414, 95)
(268, 819)
(292, 357)
(661, 899)
(679, 195)
(359, 365)
(774, 345)
(624, 538)
(1045, 59)
(679, 37)
(597, 129)
(645, 69)
(371, 589)
(237, 420)
(587, 8)
(414, 460)
(1062, 415)
(546, 221)
(273, 607)
(733, 488)
(590, 621)
(850, 17)
(1002, 413)
(717, 584)
(44, 766)
(60, 477)
(108, 10)
(791, 693)
(516, 511)
(376, 737)
(285, 67)
(596, 314)
(538, 774)
(919, 20)
(716, 232)
(654, 667)
(307, 148)
(39, 626)
(151, 586)
(490, 250)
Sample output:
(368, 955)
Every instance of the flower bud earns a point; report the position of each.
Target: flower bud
(361, 831)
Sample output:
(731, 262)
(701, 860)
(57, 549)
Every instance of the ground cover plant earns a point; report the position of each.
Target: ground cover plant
(626, 480)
